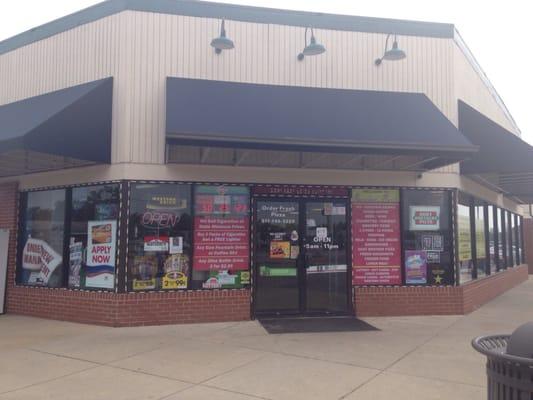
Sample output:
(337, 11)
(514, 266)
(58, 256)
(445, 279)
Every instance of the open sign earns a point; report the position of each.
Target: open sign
(161, 219)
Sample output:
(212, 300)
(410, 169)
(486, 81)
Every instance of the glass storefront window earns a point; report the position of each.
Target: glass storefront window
(95, 212)
(427, 237)
(482, 262)
(221, 237)
(42, 235)
(493, 229)
(464, 240)
(160, 230)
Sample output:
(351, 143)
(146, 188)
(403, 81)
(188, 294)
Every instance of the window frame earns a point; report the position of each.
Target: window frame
(21, 224)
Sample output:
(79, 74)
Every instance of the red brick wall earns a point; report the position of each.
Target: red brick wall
(131, 309)
(528, 242)
(407, 300)
(182, 307)
(375, 301)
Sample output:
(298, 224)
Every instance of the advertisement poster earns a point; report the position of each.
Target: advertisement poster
(144, 270)
(221, 229)
(376, 250)
(280, 249)
(176, 269)
(156, 243)
(226, 280)
(464, 239)
(480, 239)
(176, 245)
(75, 263)
(415, 267)
(101, 252)
(39, 258)
(424, 218)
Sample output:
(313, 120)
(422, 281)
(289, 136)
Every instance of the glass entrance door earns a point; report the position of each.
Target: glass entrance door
(325, 248)
(301, 258)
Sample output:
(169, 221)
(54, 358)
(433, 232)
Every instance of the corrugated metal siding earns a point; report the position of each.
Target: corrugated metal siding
(470, 88)
(141, 49)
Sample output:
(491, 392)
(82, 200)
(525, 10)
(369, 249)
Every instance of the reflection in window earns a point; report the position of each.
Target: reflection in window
(95, 211)
(427, 237)
(159, 243)
(493, 229)
(501, 240)
(481, 254)
(41, 261)
(509, 237)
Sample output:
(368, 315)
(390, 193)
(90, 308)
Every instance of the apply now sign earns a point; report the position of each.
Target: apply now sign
(101, 254)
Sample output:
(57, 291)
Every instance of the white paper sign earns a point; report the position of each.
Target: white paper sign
(39, 257)
(176, 245)
(322, 233)
(424, 218)
(101, 253)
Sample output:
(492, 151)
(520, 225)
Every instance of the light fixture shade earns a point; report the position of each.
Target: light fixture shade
(313, 48)
(222, 43)
(395, 53)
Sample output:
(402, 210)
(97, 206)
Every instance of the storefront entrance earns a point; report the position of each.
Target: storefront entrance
(301, 256)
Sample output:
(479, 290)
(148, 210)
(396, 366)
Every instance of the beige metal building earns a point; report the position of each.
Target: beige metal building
(149, 178)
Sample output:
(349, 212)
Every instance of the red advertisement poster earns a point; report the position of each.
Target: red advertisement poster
(221, 229)
(376, 249)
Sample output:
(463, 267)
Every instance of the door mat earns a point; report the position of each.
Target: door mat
(315, 325)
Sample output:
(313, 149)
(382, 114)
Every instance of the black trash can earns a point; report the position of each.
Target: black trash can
(509, 364)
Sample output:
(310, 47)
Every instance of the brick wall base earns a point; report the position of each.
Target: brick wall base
(130, 309)
(373, 301)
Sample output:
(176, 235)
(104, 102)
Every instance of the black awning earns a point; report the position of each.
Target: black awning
(74, 123)
(500, 151)
(229, 114)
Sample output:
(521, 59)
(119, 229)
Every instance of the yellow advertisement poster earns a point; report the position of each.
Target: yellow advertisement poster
(465, 248)
(280, 249)
(480, 239)
(375, 195)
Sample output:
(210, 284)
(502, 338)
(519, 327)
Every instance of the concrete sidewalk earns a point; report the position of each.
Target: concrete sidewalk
(408, 358)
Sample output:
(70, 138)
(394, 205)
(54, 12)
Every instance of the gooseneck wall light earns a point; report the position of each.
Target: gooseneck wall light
(222, 42)
(311, 49)
(392, 54)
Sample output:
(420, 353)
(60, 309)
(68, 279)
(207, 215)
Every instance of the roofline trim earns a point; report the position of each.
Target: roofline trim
(205, 9)
(461, 44)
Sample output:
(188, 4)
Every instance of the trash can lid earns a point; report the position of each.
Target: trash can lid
(520, 343)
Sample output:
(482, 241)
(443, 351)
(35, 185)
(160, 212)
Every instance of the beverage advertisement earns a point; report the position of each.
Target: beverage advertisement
(376, 249)
(101, 253)
(415, 267)
(221, 229)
